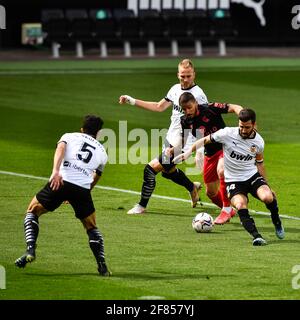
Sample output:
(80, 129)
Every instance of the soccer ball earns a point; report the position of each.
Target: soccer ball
(203, 222)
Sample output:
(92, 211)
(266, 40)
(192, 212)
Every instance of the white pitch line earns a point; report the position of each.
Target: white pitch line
(16, 72)
(204, 204)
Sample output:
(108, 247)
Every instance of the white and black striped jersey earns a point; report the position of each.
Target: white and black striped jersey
(239, 153)
(173, 95)
(84, 155)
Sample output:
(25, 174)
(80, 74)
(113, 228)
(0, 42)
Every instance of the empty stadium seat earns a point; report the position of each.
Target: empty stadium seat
(176, 27)
(80, 28)
(152, 28)
(221, 27)
(55, 28)
(199, 26)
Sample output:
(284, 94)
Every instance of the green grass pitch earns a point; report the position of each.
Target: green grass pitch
(157, 254)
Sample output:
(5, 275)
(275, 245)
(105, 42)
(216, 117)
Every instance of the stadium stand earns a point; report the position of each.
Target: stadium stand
(152, 28)
(104, 28)
(80, 27)
(120, 25)
(55, 28)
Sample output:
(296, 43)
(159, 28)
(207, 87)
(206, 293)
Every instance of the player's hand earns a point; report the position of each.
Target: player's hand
(126, 99)
(169, 151)
(56, 181)
(182, 156)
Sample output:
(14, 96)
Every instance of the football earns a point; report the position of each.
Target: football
(203, 222)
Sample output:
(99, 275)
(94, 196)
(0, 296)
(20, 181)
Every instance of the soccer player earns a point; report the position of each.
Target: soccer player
(207, 118)
(78, 163)
(244, 171)
(186, 76)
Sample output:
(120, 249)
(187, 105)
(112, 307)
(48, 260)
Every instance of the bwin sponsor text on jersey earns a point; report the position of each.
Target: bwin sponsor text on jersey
(237, 156)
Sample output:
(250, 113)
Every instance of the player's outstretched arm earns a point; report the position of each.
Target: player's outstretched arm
(160, 106)
(198, 144)
(234, 108)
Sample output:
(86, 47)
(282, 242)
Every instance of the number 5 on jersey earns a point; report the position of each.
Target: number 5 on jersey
(87, 149)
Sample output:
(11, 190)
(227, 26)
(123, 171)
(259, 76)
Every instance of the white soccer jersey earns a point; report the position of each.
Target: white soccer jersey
(239, 153)
(83, 156)
(173, 95)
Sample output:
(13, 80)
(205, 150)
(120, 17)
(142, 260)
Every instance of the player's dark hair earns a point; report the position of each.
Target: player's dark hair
(92, 124)
(185, 98)
(246, 115)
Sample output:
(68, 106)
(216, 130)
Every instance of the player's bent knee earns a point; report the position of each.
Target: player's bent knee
(155, 165)
(267, 198)
(240, 205)
(36, 208)
(89, 222)
(211, 192)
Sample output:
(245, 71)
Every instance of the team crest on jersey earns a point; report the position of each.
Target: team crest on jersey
(219, 105)
(205, 119)
(253, 149)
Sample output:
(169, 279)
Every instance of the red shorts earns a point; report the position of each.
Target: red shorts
(210, 165)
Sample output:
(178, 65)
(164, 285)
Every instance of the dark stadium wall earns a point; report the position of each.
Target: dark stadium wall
(278, 17)
(277, 14)
(21, 11)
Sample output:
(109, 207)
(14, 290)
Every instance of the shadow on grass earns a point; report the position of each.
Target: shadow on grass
(282, 242)
(134, 276)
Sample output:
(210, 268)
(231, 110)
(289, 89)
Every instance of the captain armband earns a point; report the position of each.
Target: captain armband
(259, 161)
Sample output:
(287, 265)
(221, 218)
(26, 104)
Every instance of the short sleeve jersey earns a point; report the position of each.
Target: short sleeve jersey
(173, 95)
(207, 120)
(239, 154)
(84, 155)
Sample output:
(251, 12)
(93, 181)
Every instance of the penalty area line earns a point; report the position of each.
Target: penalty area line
(203, 204)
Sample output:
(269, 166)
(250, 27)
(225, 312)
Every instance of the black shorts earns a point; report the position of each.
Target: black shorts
(79, 198)
(244, 187)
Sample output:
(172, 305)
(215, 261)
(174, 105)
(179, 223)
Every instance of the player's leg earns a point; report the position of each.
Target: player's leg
(149, 182)
(176, 175)
(44, 201)
(179, 177)
(265, 194)
(212, 184)
(83, 205)
(96, 243)
(31, 231)
(211, 180)
(240, 202)
(227, 211)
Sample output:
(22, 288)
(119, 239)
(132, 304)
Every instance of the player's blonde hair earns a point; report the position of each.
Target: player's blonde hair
(186, 63)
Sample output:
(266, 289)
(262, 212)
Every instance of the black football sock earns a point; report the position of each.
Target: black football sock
(273, 208)
(96, 244)
(148, 185)
(31, 229)
(248, 223)
(180, 178)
